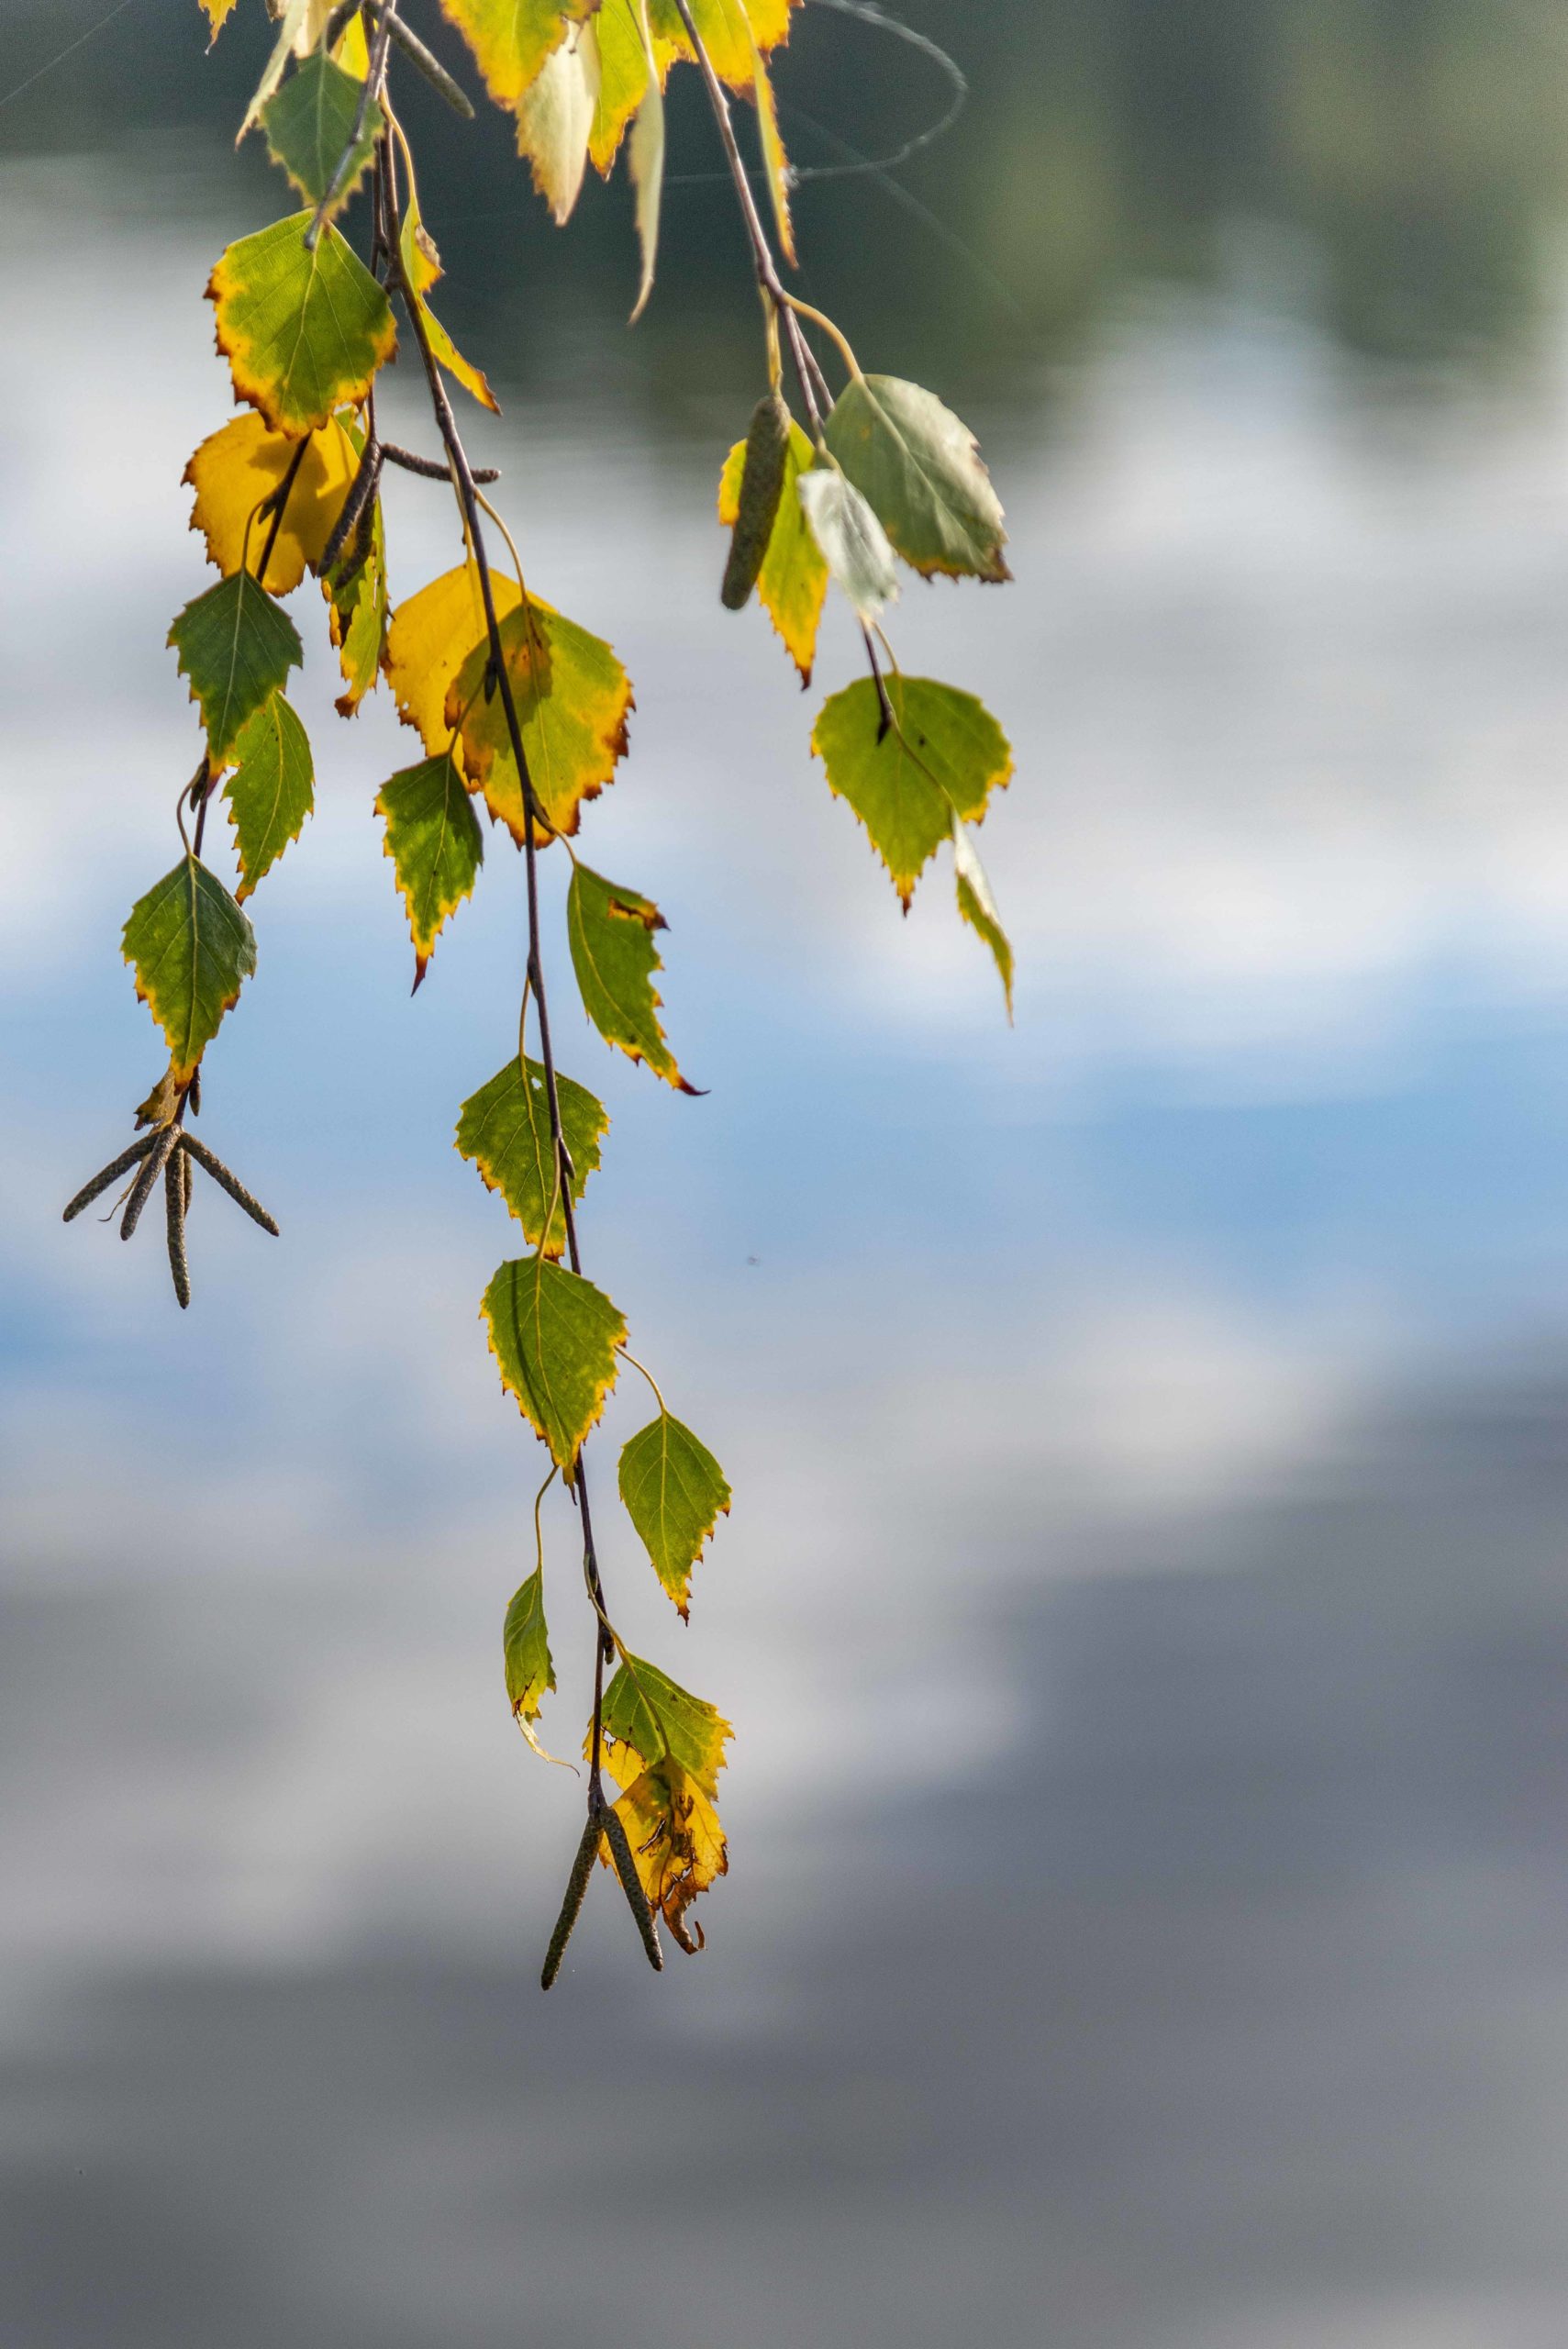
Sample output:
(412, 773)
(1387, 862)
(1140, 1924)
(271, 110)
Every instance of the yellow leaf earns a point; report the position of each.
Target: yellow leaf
(352, 51)
(421, 267)
(572, 700)
(792, 581)
(555, 119)
(775, 161)
(236, 469)
(512, 38)
(216, 11)
(431, 636)
(676, 1843)
(728, 30)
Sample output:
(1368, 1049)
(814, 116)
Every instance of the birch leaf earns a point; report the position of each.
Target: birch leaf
(657, 1721)
(554, 1337)
(512, 38)
(775, 163)
(978, 907)
(357, 613)
(674, 1492)
(309, 126)
(572, 700)
(623, 76)
(919, 468)
(272, 790)
(728, 30)
(525, 1641)
(304, 332)
(677, 1844)
(237, 468)
(645, 161)
(217, 11)
(192, 949)
(792, 582)
(611, 931)
(504, 1131)
(555, 119)
(430, 637)
(852, 540)
(433, 839)
(291, 17)
(422, 266)
(941, 759)
(237, 646)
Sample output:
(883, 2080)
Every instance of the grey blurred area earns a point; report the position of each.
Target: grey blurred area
(1144, 1613)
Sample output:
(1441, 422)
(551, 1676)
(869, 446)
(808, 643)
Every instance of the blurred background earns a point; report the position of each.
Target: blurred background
(1145, 1612)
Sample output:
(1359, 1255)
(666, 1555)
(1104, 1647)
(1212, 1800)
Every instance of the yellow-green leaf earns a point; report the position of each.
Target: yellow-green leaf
(272, 790)
(919, 466)
(677, 1844)
(291, 17)
(775, 163)
(511, 39)
(310, 126)
(238, 468)
(433, 839)
(792, 582)
(554, 1337)
(421, 267)
(530, 1675)
(572, 700)
(610, 932)
(941, 757)
(191, 949)
(355, 589)
(978, 907)
(504, 1130)
(304, 331)
(555, 119)
(623, 76)
(728, 29)
(657, 1721)
(430, 637)
(237, 646)
(674, 1492)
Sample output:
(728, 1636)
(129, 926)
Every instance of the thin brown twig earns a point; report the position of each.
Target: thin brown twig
(388, 213)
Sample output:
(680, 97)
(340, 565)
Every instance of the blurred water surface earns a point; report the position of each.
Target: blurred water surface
(1143, 1612)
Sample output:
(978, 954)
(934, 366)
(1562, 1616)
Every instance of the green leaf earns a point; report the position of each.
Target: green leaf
(942, 758)
(272, 790)
(530, 1675)
(921, 469)
(853, 541)
(191, 948)
(611, 931)
(792, 581)
(978, 907)
(504, 1130)
(433, 839)
(309, 126)
(647, 1712)
(237, 646)
(572, 699)
(304, 331)
(554, 1337)
(674, 1492)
